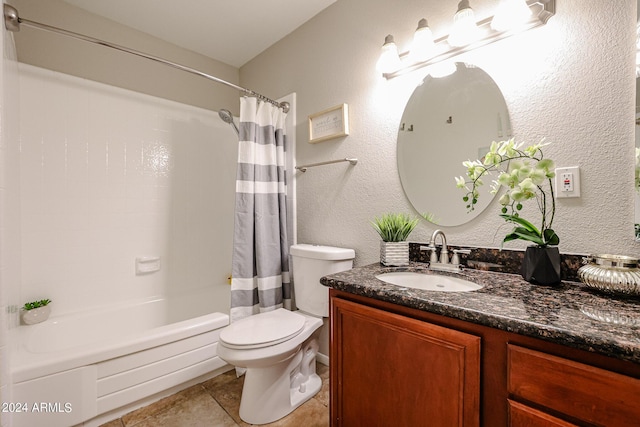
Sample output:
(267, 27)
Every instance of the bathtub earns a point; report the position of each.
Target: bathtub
(78, 368)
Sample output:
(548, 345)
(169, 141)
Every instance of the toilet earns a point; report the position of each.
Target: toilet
(278, 348)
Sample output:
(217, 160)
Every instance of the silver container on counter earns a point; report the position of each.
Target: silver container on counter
(611, 273)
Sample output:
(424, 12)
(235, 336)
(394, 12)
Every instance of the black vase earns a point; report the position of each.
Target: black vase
(541, 266)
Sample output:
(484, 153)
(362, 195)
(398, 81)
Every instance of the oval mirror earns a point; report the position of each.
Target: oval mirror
(446, 121)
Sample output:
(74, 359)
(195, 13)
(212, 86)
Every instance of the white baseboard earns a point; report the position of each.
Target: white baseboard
(322, 358)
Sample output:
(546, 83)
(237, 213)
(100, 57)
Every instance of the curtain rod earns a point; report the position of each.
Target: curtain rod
(12, 23)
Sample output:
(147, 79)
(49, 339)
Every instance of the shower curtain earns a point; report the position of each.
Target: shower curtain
(260, 264)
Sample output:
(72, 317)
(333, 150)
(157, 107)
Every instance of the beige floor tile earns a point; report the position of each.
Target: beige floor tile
(323, 394)
(135, 417)
(199, 410)
(216, 402)
(322, 371)
(114, 423)
(221, 380)
(227, 392)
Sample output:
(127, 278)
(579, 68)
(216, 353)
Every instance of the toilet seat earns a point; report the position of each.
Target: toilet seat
(263, 330)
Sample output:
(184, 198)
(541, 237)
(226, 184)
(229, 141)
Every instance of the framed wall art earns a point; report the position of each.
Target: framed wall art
(328, 124)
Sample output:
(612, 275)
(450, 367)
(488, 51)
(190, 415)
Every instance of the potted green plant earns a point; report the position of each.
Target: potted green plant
(394, 228)
(527, 175)
(36, 311)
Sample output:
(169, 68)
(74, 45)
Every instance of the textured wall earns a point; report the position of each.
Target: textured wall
(571, 81)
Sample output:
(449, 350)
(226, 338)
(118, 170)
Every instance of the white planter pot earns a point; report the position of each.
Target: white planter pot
(36, 315)
(394, 254)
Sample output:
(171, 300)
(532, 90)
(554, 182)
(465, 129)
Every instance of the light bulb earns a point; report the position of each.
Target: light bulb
(464, 30)
(422, 47)
(389, 60)
(511, 15)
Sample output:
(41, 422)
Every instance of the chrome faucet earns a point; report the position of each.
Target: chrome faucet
(443, 263)
(444, 253)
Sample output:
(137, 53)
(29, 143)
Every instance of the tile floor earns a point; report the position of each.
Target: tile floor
(216, 402)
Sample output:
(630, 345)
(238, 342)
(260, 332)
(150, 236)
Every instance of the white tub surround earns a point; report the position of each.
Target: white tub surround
(118, 192)
(76, 367)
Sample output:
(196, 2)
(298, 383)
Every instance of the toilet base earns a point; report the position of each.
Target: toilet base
(271, 393)
(311, 387)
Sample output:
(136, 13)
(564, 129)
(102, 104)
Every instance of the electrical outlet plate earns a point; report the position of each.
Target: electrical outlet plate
(567, 182)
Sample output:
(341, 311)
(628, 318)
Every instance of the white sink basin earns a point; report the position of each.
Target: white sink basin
(429, 282)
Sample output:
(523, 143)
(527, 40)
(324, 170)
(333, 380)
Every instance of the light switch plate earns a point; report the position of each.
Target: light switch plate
(567, 182)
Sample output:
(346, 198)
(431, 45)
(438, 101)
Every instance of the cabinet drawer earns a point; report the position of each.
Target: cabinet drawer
(581, 391)
(523, 416)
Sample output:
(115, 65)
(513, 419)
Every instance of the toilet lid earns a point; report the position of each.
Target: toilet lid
(263, 329)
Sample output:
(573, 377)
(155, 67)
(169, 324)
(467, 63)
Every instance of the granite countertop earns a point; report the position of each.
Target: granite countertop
(569, 314)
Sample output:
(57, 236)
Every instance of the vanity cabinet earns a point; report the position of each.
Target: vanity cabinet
(394, 365)
(391, 370)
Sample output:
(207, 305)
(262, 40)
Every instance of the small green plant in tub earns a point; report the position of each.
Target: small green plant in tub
(36, 304)
(35, 311)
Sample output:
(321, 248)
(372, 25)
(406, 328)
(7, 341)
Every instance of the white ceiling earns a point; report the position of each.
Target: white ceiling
(231, 31)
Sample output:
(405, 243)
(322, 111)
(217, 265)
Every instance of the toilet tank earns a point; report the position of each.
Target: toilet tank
(309, 264)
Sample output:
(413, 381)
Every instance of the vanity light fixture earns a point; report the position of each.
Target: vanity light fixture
(511, 14)
(465, 30)
(422, 47)
(389, 59)
(448, 46)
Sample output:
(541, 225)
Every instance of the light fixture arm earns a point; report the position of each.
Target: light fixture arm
(542, 11)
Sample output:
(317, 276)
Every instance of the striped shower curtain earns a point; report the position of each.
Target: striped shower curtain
(260, 264)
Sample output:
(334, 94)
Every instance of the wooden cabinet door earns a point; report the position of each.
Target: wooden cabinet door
(523, 416)
(391, 370)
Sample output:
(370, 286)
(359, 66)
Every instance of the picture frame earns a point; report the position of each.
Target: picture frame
(329, 124)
